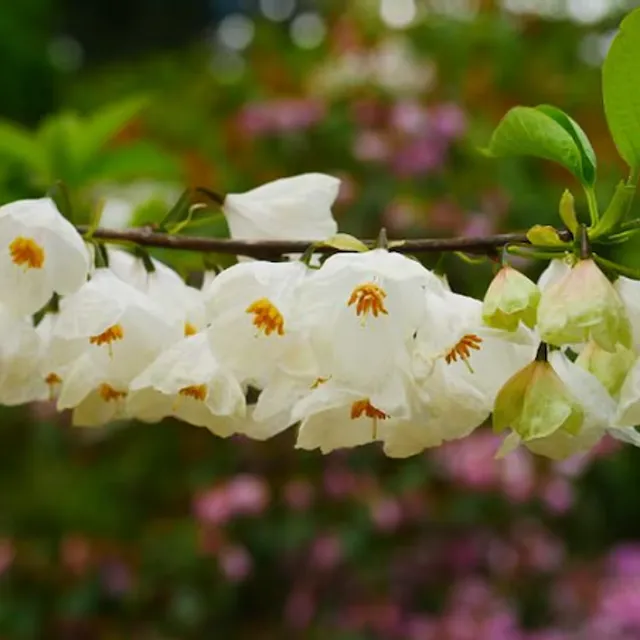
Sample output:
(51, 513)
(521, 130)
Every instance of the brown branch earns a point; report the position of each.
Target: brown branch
(147, 237)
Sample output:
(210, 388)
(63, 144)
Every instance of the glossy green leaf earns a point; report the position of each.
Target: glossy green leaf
(589, 163)
(527, 131)
(621, 89)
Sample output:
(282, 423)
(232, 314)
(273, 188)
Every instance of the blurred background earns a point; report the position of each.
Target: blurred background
(165, 532)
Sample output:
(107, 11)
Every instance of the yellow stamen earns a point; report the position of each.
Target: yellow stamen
(197, 392)
(365, 408)
(368, 298)
(267, 318)
(189, 329)
(110, 335)
(463, 348)
(52, 381)
(26, 252)
(108, 393)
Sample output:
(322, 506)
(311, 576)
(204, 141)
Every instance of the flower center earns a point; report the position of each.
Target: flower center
(26, 252)
(108, 393)
(110, 335)
(364, 408)
(189, 329)
(266, 318)
(368, 298)
(197, 392)
(462, 350)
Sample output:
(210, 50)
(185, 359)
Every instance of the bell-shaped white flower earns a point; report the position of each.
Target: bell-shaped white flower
(109, 316)
(40, 253)
(459, 366)
(20, 349)
(361, 312)
(96, 388)
(287, 209)
(163, 286)
(251, 306)
(188, 382)
(583, 305)
(57, 356)
(334, 416)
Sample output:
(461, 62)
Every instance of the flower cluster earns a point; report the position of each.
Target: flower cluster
(369, 347)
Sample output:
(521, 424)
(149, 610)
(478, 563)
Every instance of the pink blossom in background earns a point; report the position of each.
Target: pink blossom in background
(280, 116)
(624, 561)
(247, 494)
(445, 215)
(235, 562)
(409, 117)
(478, 224)
(419, 157)
(386, 514)
(212, 506)
(401, 216)
(449, 120)
(557, 495)
(517, 476)
(326, 552)
(370, 146)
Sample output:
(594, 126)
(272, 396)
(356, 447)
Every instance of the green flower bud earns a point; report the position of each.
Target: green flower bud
(535, 403)
(583, 305)
(510, 298)
(609, 367)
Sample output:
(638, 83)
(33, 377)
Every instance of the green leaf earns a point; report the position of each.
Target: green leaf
(616, 211)
(101, 127)
(526, 131)
(568, 211)
(621, 89)
(20, 145)
(344, 242)
(544, 235)
(142, 159)
(587, 153)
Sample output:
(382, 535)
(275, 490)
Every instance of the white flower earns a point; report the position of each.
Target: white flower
(459, 366)
(296, 208)
(40, 253)
(19, 352)
(361, 312)
(164, 286)
(188, 382)
(96, 388)
(334, 416)
(119, 331)
(250, 307)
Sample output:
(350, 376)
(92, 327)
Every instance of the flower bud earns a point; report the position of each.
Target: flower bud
(510, 298)
(534, 403)
(610, 368)
(583, 305)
